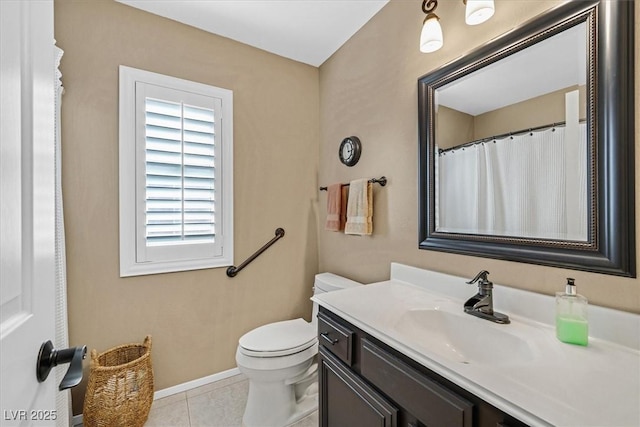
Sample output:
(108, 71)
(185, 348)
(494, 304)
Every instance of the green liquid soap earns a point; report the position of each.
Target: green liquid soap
(572, 331)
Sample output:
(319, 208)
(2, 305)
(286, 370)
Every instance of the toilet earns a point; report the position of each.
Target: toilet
(279, 361)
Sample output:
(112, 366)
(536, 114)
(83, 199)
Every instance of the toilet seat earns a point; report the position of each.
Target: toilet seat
(278, 339)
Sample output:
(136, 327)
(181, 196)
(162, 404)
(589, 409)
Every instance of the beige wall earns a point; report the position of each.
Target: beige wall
(289, 118)
(369, 89)
(195, 317)
(453, 127)
(539, 111)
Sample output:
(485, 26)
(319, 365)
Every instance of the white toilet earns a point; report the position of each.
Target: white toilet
(279, 360)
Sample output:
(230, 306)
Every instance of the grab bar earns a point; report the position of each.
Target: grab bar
(233, 270)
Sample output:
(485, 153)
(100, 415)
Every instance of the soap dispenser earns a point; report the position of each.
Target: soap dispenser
(571, 316)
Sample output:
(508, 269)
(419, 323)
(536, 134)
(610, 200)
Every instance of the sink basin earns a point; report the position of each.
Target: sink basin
(462, 338)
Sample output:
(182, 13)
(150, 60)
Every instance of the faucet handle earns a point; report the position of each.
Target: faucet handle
(482, 276)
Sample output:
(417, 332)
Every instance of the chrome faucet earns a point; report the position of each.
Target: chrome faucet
(481, 304)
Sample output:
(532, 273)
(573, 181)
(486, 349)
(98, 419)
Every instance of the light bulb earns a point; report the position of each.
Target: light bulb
(431, 36)
(478, 11)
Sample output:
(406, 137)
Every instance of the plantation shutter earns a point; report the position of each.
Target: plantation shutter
(179, 178)
(180, 172)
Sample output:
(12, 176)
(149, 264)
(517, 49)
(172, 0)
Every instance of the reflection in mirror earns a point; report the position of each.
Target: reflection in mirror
(511, 144)
(527, 143)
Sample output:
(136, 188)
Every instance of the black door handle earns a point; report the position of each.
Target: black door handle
(50, 357)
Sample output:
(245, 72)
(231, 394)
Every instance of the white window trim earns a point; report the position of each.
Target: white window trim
(129, 266)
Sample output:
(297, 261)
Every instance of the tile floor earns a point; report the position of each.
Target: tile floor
(219, 404)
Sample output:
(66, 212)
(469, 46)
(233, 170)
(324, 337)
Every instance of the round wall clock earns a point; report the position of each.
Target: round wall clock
(350, 150)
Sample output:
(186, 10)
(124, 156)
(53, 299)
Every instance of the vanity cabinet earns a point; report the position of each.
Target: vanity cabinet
(364, 382)
(346, 400)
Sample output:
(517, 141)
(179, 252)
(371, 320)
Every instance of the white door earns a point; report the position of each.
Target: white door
(27, 251)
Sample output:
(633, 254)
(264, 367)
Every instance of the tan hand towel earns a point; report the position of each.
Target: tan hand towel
(369, 208)
(360, 208)
(343, 209)
(334, 208)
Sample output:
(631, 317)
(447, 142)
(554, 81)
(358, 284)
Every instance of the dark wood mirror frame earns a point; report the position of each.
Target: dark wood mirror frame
(611, 245)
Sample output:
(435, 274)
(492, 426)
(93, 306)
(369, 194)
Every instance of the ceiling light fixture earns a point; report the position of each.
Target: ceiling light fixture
(431, 35)
(478, 11)
(431, 39)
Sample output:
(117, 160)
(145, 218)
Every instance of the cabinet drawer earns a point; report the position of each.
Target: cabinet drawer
(336, 338)
(429, 401)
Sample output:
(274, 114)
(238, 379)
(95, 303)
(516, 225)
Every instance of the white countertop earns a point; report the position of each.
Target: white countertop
(558, 384)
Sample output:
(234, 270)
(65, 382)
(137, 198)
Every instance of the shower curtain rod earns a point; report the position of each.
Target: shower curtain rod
(504, 135)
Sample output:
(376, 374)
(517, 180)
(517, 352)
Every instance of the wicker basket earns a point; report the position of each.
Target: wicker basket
(120, 388)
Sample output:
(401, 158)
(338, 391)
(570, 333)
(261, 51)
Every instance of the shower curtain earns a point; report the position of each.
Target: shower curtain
(532, 185)
(61, 339)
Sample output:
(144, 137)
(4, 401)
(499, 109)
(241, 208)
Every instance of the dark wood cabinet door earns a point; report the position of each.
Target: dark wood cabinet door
(432, 403)
(346, 401)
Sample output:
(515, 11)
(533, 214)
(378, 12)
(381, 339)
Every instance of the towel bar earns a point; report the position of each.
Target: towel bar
(382, 181)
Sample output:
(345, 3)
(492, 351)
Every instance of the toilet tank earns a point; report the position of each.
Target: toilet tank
(327, 282)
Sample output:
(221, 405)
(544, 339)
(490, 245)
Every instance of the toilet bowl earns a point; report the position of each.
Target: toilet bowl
(279, 361)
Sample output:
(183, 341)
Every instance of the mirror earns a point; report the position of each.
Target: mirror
(526, 144)
(496, 143)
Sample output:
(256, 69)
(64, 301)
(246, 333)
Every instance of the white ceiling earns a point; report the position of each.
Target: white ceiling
(553, 64)
(308, 31)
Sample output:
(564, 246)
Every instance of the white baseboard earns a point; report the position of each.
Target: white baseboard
(76, 420)
(195, 383)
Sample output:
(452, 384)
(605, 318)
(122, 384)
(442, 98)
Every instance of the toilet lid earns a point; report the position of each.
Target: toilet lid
(278, 339)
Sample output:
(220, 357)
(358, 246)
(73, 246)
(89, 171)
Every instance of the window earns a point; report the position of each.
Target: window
(176, 160)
